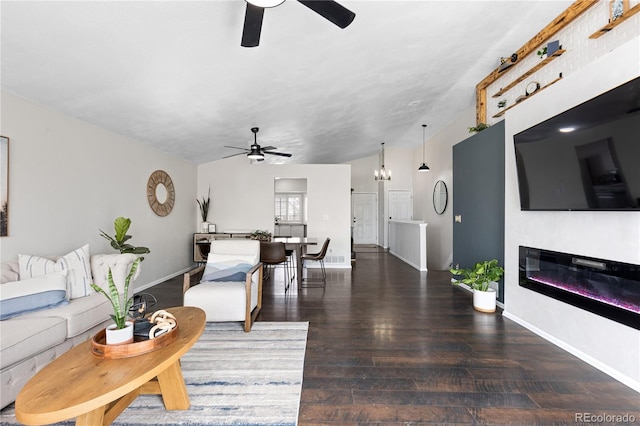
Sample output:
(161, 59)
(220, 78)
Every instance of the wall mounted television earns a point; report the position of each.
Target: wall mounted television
(586, 158)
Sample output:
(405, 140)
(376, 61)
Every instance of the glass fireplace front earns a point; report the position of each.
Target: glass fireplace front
(604, 287)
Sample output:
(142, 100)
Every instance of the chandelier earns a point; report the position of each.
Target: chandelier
(383, 174)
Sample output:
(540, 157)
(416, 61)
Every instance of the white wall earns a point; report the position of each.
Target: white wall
(398, 161)
(68, 178)
(613, 347)
(439, 157)
(242, 199)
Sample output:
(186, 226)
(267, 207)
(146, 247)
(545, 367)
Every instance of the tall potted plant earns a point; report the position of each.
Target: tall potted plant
(204, 211)
(479, 278)
(121, 331)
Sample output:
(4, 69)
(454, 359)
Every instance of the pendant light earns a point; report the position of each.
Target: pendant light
(383, 174)
(423, 167)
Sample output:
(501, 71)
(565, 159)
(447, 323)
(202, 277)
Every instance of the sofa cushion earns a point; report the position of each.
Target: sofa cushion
(21, 338)
(9, 271)
(33, 294)
(225, 301)
(81, 314)
(120, 265)
(76, 263)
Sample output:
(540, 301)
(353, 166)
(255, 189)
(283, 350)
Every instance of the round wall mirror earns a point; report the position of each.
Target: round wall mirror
(440, 197)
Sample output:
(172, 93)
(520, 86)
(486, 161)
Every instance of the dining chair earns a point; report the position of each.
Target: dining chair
(272, 254)
(317, 257)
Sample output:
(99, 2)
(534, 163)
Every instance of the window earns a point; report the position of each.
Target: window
(290, 207)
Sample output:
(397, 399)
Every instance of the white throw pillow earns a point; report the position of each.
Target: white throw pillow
(76, 263)
(33, 294)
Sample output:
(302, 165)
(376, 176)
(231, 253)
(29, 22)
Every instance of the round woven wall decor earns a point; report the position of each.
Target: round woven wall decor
(158, 178)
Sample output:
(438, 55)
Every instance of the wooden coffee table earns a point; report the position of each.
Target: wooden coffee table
(96, 390)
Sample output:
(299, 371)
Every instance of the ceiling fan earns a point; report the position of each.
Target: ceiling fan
(328, 9)
(256, 152)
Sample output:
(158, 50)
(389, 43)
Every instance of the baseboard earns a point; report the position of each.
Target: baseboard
(626, 380)
(327, 266)
(161, 280)
(408, 261)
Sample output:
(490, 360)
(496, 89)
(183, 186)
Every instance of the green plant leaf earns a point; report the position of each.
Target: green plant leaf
(120, 308)
(204, 206)
(121, 226)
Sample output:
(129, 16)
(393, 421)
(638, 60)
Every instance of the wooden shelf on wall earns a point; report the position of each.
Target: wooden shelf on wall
(576, 9)
(611, 25)
(501, 113)
(541, 64)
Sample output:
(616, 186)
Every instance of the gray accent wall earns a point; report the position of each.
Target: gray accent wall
(478, 198)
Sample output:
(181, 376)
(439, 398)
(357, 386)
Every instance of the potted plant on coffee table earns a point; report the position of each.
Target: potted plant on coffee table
(479, 279)
(121, 332)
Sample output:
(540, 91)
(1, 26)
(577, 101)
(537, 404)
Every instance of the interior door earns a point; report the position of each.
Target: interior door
(365, 218)
(400, 205)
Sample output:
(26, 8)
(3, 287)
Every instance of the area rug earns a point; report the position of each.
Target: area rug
(233, 378)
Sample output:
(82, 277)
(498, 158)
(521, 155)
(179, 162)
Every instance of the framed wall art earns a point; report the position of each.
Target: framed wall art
(4, 186)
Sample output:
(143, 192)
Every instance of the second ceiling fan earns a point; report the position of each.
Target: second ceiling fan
(328, 9)
(255, 151)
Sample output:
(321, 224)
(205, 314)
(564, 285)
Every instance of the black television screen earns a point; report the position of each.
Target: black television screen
(586, 158)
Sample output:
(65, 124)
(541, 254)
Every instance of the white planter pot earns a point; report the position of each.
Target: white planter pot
(120, 336)
(484, 301)
(204, 226)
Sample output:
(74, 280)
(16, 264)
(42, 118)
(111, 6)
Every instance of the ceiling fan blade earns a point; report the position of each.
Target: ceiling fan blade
(268, 148)
(233, 155)
(281, 154)
(236, 147)
(329, 9)
(252, 26)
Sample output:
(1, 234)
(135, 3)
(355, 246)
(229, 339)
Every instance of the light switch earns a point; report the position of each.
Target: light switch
(458, 218)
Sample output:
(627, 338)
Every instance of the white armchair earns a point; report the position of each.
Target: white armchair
(229, 286)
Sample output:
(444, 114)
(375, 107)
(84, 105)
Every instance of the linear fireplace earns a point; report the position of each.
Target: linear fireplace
(604, 287)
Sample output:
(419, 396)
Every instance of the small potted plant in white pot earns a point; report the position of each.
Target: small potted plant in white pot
(204, 211)
(121, 331)
(479, 279)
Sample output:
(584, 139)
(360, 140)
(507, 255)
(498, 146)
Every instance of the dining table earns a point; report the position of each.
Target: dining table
(299, 246)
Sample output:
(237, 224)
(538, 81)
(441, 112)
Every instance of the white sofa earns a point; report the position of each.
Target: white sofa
(31, 340)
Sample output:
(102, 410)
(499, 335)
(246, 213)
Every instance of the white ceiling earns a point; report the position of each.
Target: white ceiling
(172, 74)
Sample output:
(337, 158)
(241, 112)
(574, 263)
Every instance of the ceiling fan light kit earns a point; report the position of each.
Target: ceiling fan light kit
(255, 153)
(383, 174)
(265, 3)
(328, 9)
(423, 167)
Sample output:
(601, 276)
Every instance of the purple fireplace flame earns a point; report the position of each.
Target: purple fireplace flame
(607, 288)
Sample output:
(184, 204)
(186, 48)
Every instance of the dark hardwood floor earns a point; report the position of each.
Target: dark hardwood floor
(390, 345)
